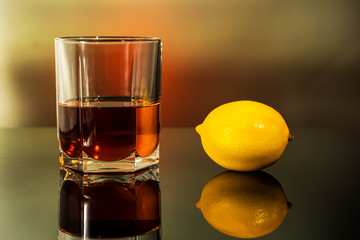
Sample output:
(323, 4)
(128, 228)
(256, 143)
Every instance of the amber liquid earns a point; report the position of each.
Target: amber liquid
(109, 210)
(108, 129)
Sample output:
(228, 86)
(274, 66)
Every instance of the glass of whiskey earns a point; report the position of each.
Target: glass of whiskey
(109, 205)
(108, 93)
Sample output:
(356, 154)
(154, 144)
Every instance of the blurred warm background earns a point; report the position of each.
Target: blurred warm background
(302, 56)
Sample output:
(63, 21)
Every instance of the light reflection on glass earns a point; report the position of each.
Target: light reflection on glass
(109, 205)
(244, 204)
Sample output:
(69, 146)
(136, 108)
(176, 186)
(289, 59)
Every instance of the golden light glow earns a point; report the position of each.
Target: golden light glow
(97, 148)
(213, 52)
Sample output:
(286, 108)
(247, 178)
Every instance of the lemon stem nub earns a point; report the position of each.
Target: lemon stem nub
(197, 204)
(291, 137)
(289, 205)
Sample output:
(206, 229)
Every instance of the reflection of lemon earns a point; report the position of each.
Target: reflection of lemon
(243, 204)
(244, 135)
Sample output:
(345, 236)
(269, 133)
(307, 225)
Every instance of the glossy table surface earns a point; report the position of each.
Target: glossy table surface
(318, 173)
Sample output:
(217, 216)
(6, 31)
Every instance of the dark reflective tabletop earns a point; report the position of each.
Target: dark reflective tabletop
(318, 173)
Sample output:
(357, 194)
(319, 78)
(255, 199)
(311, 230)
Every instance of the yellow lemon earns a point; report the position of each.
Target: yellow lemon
(243, 204)
(244, 135)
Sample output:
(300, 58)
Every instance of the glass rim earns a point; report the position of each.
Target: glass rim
(106, 39)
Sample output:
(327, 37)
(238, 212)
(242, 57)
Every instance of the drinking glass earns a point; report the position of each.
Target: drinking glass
(108, 102)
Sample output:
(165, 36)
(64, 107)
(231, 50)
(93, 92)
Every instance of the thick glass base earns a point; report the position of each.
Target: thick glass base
(130, 164)
(154, 235)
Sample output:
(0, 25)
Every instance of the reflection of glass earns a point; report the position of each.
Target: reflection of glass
(109, 205)
(108, 102)
(244, 204)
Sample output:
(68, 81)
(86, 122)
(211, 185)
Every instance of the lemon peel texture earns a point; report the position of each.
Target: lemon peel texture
(243, 204)
(244, 135)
